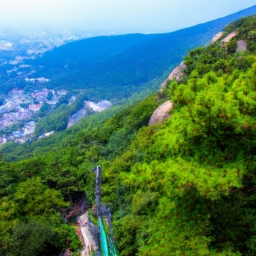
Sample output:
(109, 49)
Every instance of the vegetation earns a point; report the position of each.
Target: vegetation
(61, 176)
(58, 119)
(184, 187)
(191, 191)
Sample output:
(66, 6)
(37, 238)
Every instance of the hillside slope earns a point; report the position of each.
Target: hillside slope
(184, 187)
(187, 187)
(90, 50)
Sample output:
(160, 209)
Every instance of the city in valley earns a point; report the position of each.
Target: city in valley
(19, 108)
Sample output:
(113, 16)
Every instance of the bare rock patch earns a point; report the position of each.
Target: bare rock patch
(229, 37)
(241, 46)
(161, 113)
(216, 37)
(176, 74)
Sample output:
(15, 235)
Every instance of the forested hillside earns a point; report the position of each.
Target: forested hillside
(187, 187)
(182, 187)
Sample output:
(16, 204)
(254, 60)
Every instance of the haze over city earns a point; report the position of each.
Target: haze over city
(124, 16)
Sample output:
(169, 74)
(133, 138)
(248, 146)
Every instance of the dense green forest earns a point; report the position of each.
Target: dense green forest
(182, 187)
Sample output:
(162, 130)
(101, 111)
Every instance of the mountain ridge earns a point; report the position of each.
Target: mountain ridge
(147, 60)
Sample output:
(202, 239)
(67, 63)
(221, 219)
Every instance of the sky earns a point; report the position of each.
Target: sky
(146, 16)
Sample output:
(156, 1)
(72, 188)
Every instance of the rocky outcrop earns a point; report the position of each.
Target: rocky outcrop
(85, 236)
(176, 74)
(229, 37)
(76, 117)
(216, 37)
(96, 107)
(241, 46)
(161, 113)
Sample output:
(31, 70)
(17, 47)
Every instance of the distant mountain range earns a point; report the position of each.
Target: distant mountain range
(117, 66)
(112, 67)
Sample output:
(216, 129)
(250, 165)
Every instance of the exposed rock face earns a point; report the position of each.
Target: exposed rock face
(177, 74)
(85, 236)
(76, 117)
(229, 37)
(216, 37)
(96, 107)
(241, 46)
(161, 113)
(163, 85)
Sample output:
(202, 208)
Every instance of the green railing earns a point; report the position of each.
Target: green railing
(107, 246)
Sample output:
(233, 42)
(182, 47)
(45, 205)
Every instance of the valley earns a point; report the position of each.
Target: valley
(20, 110)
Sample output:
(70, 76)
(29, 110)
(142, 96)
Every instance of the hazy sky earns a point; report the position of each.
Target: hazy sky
(117, 15)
